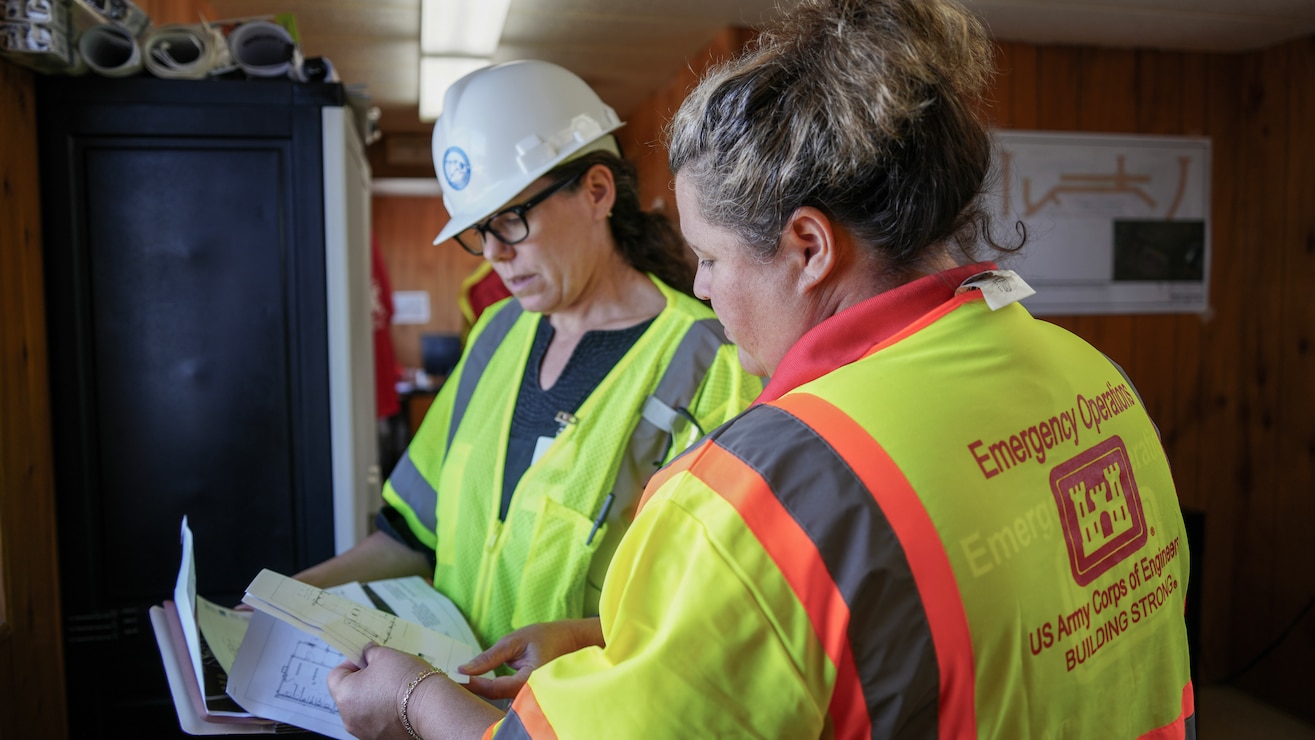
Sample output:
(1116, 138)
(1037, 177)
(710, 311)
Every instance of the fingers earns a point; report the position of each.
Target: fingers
(502, 651)
(339, 674)
(502, 687)
(365, 652)
(481, 663)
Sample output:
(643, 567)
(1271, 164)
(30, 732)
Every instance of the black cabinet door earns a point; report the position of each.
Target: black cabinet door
(183, 224)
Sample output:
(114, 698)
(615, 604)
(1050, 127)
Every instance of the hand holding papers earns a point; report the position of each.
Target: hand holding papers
(298, 633)
(348, 626)
(264, 671)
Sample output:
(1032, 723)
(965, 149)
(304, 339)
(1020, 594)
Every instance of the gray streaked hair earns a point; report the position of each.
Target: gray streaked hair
(864, 109)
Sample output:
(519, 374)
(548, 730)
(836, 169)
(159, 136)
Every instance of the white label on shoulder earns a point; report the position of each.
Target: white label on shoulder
(999, 287)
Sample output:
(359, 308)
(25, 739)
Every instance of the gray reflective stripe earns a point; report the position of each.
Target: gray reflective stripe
(659, 414)
(511, 728)
(415, 491)
(887, 623)
(649, 443)
(477, 358)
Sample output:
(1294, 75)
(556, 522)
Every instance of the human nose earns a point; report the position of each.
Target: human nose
(495, 248)
(701, 284)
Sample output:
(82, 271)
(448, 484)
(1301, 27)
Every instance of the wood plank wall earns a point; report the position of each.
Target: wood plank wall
(405, 227)
(32, 702)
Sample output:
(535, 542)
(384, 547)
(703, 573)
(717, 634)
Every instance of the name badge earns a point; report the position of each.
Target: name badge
(541, 446)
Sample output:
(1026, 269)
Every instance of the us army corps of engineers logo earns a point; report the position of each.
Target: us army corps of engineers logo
(1099, 507)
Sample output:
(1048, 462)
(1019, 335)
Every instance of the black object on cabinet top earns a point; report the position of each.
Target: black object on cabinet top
(261, 105)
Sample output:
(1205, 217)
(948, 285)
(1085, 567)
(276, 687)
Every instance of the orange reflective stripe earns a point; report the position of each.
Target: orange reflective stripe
(921, 543)
(1177, 729)
(658, 479)
(801, 565)
(526, 711)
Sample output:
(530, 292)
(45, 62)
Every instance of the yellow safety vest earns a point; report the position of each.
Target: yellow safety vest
(970, 531)
(547, 560)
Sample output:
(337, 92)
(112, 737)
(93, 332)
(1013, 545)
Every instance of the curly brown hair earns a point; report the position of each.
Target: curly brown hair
(864, 109)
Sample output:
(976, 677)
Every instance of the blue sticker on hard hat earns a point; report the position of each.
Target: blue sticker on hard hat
(456, 168)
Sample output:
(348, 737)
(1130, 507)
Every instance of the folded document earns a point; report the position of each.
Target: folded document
(349, 626)
(266, 671)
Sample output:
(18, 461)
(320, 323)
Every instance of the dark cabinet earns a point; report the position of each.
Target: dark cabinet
(206, 247)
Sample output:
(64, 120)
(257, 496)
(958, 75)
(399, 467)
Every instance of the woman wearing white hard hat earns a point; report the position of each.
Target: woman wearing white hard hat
(569, 395)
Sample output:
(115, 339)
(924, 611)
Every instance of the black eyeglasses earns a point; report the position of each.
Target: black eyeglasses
(508, 225)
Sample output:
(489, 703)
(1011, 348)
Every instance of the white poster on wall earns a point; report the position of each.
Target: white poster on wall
(1115, 223)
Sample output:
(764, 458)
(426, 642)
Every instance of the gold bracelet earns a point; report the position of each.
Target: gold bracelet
(406, 723)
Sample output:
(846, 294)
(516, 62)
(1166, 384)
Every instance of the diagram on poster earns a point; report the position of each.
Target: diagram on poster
(1115, 223)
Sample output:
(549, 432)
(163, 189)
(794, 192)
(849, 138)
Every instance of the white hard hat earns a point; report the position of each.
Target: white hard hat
(505, 125)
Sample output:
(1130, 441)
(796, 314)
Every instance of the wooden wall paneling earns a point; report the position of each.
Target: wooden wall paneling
(405, 227)
(1217, 464)
(1184, 388)
(1262, 210)
(656, 188)
(641, 143)
(1107, 81)
(1257, 304)
(1297, 453)
(995, 108)
(1011, 100)
(1282, 545)
(666, 102)
(1024, 86)
(1161, 91)
(32, 693)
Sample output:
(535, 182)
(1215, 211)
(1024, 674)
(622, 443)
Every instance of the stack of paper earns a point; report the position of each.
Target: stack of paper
(349, 626)
(275, 660)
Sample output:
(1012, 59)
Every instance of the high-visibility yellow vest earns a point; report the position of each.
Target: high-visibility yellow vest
(547, 560)
(969, 532)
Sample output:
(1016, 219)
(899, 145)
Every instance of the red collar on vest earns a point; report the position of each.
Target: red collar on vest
(848, 335)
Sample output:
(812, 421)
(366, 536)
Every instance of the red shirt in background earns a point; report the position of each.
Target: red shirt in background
(381, 313)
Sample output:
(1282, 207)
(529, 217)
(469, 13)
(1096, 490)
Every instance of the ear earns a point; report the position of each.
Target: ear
(598, 183)
(811, 239)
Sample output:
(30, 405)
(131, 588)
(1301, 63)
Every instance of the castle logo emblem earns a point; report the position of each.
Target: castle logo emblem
(1099, 508)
